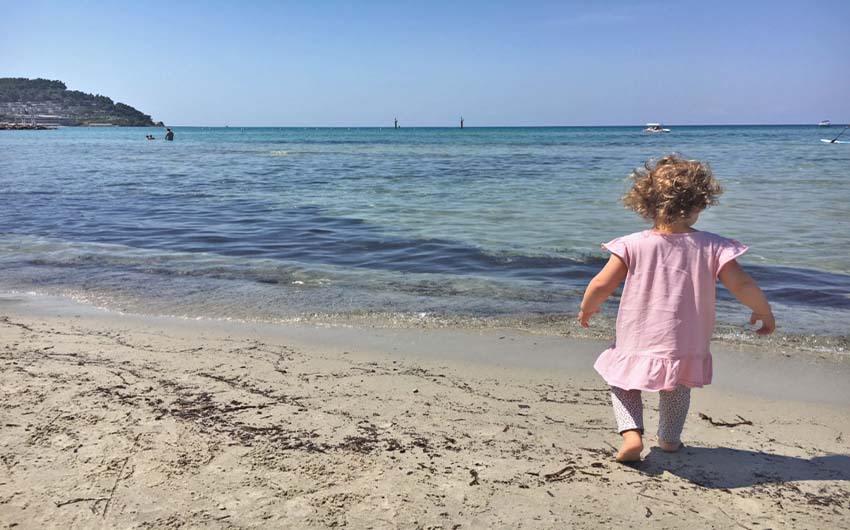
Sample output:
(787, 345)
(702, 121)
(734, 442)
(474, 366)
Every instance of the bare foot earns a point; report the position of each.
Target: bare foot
(631, 448)
(668, 447)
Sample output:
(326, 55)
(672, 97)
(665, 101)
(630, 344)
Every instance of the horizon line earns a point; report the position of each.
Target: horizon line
(390, 126)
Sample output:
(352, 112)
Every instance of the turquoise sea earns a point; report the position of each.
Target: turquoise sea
(272, 223)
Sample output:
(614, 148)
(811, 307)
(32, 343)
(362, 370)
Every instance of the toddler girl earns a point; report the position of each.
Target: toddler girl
(666, 314)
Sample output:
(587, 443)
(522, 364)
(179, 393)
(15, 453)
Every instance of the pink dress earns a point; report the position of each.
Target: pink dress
(666, 315)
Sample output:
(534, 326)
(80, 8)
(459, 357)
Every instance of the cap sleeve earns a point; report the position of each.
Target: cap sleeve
(619, 248)
(725, 251)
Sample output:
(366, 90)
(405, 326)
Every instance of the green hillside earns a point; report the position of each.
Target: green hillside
(46, 101)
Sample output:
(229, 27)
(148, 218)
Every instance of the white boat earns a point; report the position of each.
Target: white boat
(655, 128)
(824, 123)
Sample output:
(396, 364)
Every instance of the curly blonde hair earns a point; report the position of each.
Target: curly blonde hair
(671, 188)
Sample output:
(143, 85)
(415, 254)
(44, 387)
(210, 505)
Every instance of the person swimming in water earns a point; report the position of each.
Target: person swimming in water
(169, 135)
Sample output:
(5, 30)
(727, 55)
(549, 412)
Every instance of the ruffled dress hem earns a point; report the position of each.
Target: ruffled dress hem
(652, 373)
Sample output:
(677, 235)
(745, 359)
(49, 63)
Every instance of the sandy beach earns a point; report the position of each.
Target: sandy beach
(116, 421)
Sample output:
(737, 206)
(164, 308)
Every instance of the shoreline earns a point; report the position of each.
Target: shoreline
(26, 127)
(555, 325)
(488, 343)
(156, 422)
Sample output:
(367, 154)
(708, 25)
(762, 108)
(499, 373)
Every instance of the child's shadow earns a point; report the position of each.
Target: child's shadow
(721, 467)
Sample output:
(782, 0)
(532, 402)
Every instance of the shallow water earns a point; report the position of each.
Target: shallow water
(268, 223)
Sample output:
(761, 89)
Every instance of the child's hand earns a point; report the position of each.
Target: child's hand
(768, 323)
(584, 317)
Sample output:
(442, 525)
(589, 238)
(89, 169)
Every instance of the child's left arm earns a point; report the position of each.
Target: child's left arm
(601, 287)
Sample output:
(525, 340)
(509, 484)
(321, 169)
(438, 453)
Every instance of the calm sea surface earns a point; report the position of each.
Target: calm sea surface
(269, 223)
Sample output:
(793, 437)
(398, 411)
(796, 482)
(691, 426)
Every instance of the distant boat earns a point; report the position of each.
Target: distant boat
(824, 123)
(655, 128)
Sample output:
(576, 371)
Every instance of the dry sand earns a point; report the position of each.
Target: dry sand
(112, 421)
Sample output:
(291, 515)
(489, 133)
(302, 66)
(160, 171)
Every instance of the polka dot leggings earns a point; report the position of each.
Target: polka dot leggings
(672, 411)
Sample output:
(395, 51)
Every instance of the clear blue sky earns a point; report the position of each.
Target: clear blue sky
(352, 63)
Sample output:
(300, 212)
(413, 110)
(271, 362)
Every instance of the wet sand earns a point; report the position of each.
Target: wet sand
(114, 421)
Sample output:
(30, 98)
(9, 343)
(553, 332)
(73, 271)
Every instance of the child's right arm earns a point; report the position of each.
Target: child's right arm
(747, 291)
(601, 287)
